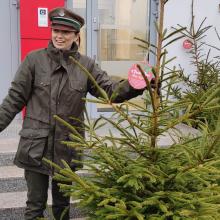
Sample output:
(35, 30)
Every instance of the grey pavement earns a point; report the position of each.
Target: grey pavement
(18, 199)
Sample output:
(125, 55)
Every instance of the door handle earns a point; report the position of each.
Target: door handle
(15, 3)
(95, 24)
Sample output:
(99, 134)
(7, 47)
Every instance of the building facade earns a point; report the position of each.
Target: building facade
(108, 35)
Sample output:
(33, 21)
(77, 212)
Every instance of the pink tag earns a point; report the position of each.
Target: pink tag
(187, 44)
(135, 78)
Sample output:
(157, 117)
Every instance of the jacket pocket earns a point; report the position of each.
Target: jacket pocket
(74, 95)
(77, 86)
(32, 146)
(41, 81)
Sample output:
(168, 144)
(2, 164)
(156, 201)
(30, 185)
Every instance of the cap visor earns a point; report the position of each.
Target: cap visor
(62, 27)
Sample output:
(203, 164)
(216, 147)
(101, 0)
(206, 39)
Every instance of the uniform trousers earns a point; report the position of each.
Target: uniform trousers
(37, 185)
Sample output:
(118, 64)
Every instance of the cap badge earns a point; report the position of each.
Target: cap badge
(61, 13)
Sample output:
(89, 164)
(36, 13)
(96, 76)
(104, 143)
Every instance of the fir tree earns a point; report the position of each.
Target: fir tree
(207, 69)
(130, 176)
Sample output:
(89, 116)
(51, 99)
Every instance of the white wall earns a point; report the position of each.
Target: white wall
(179, 12)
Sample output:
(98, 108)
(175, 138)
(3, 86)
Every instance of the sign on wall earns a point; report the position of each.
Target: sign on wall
(42, 17)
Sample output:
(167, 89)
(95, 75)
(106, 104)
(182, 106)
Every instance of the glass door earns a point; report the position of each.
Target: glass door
(120, 21)
(108, 37)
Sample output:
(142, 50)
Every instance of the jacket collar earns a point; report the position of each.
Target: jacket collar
(62, 57)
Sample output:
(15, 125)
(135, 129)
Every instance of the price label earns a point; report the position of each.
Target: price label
(135, 78)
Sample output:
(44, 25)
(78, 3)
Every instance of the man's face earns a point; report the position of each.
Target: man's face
(63, 39)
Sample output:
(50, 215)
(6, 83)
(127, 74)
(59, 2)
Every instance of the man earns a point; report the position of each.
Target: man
(49, 84)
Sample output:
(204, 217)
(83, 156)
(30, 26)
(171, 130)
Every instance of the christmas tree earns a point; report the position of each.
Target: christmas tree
(206, 68)
(130, 175)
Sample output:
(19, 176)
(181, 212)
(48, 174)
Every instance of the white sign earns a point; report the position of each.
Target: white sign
(42, 17)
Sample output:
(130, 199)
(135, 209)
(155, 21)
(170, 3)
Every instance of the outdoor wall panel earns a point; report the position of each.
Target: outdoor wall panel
(29, 17)
(28, 45)
(33, 36)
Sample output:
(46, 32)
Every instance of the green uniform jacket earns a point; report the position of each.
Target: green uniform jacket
(48, 83)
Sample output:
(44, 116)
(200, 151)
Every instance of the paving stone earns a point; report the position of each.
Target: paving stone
(12, 179)
(12, 206)
(6, 159)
